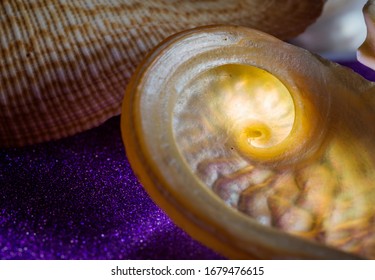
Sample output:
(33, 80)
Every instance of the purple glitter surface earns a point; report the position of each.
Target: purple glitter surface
(361, 69)
(77, 198)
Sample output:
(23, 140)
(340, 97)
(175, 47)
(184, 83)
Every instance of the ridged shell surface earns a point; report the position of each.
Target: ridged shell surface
(64, 65)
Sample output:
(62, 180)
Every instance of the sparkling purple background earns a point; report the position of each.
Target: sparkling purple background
(77, 198)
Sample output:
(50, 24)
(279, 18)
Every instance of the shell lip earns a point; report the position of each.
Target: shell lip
(193, 207)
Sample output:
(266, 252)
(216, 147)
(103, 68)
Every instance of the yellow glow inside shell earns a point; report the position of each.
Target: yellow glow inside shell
(254, 107)
(257, 107)
(246, 107)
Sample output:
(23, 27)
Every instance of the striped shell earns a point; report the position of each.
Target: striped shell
(65, 64)
(236, 134)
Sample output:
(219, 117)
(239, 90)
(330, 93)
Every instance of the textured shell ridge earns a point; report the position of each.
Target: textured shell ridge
(69, 62)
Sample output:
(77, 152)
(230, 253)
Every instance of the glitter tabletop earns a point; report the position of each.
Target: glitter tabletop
(77, 198)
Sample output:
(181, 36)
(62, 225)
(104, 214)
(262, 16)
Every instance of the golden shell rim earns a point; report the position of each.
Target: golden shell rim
(187, 214)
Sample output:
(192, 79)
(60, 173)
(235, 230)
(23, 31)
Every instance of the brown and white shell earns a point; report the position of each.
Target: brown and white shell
(65, 64)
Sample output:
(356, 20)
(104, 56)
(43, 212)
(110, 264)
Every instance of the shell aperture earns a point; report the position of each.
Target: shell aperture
(237, 100)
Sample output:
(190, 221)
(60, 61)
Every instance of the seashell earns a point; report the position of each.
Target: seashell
(65, 64)
(256, 147)
(338, 31)
(366, 52)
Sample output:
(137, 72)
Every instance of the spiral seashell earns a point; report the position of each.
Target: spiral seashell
(366, 52)
(65, 64)
(255, 147)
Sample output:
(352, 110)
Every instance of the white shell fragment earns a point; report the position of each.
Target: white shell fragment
(366, 52)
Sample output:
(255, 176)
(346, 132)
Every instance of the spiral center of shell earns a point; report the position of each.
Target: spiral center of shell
(231, 109)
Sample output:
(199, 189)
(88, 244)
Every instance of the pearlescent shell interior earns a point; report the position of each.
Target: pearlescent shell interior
(234, 98)
(208, 149)
(65, 64)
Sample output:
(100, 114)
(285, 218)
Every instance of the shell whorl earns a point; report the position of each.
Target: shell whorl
(65, 64)
(202, 127)
(198, 125)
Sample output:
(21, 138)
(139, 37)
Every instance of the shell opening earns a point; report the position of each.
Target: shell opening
(260, 107)
(250, 108)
